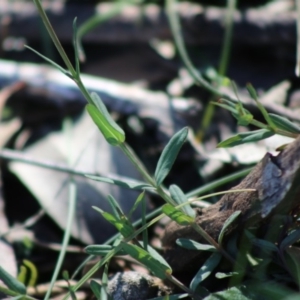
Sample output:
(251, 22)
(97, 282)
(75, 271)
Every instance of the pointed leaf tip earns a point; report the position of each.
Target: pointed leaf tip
(169, 155)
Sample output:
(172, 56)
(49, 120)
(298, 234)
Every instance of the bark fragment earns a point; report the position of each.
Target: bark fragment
(276, 180)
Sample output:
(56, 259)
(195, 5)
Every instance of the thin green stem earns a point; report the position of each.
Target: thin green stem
(177, 34)
(217, 183)
(137, 163)
(226, 47)
(142, 169)
(224, 59)
(54, 37)
(66, 238)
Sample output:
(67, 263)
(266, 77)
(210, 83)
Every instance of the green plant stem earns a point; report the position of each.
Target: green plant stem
(179, 284)
(218, 183)
(137, 163)
(275, 130)
(141, 168)
(226, 47)
(54, 37)
(66, 238)
(211, 241)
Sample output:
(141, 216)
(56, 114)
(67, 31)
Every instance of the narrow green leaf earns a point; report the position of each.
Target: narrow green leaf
(75, 45)
(96, 288)
(101, 250)
(67, 73)
(144, 221)
(179, 197)
(122, 225)
(176, 215)
(169, 155)
(193, 245)
(11, 282)
(284, 123)
(293, 262)
(130, 184)
(112, 136)
(65, 275)
(116, 209)
(264, 112)
(227, 223)
(246, 137)
(206, 269)
(111, 126)
(252, 91)
(156, 267)
(98, 249)
(137, 202)
(155, 254)
(292, 238)
(220, 275)
(262, 244)
(103, 293)
(231, 108)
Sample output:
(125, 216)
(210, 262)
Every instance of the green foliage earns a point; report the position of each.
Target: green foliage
(227, 223)
(159, 269)
(287, 256)
(179, 198)
(112, 132)
(12, 283)
(169, 155)
(246, 137)
(177, 215)
(193, 245)
(210, 264)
